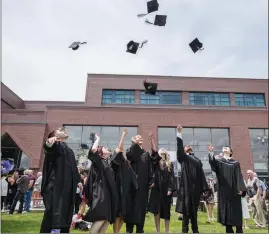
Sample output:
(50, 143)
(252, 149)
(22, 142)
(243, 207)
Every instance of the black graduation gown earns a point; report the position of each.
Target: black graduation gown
(59, 183)
(138, 200)
(164, 182)
(230, 183)
(192, 181)
(100, 190)
(125, 181)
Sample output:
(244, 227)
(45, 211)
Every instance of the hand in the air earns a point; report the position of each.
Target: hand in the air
(179, 128)
(169, 193)
(152, 185)
(97, 135)
(210, 148)
(151, 136)
(125, 132)
(52, 140)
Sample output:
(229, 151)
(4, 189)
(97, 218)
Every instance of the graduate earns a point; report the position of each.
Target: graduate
(164, 185)
(100, 189)
(60, 178)
(191, 186)
(126, 182)
(231, 187)
(142, 167)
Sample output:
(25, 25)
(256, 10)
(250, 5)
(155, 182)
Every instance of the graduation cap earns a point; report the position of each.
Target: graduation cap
(75, 45)
(132, 46)
(152, 7)
(160, 20)
(196, 45)
(150, 88)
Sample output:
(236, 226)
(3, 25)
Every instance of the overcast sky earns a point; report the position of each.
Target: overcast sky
(36, 36)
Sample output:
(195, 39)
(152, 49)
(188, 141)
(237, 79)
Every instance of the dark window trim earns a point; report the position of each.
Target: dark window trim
(142, 92)
(113, 93)
(253, 94)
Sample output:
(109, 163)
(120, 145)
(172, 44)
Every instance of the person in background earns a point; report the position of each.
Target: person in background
(78, 199)
(23, 183)
(84, 201)
(245, 210)
(12, 188)
(29, 193)
(37, 190)
(210, 201)
(255, 192)
(4, 189)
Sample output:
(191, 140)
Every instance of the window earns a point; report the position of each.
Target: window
(110, 137)
(118, 97)
(161, 98)
(210, 99)
(198, 138)
(249, 99)
(259, 148)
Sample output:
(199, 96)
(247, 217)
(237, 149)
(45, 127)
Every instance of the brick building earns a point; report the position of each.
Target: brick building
(212, 110)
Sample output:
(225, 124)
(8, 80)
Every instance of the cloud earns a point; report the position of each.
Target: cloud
(36, 36)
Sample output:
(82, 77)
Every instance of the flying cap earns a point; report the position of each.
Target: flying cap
(133, 46)
(75, 45)
(160, 20)
(150, 88)
(152, 7)
(196, 45)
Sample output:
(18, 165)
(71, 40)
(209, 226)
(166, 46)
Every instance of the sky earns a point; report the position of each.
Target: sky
(36, 35)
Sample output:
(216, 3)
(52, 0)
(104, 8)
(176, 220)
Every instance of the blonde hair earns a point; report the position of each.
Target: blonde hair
(167, 161)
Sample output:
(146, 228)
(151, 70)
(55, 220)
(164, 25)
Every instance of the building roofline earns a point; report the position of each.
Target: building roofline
(12, 92)
(168, 76)
(56, 102)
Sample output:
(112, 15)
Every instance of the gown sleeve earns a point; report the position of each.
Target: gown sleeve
(180, 150)
(213, 162)
(95, 158)
(151, 174)
(241, 187)
(133, 152)
(172, 180)
(155, 157)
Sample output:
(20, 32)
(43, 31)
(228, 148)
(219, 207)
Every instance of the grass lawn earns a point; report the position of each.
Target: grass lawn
(30, 223)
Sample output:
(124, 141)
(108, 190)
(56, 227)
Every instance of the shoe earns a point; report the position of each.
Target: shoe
(25, 212)
(246, 227)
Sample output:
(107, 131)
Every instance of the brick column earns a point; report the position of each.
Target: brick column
(137, 96)
(185, 98)
(144, 130)
(240, 143)
(232, 99)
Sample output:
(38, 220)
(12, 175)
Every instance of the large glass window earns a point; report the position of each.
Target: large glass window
(198, 138)
(259, 148)
(161, 97)
(118, 97)
(249, 99)
(110, 136)
(210, 99)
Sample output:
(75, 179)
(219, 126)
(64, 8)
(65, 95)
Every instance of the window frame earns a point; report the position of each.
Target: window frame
(209, 99)
(159, 97)
(113, 96)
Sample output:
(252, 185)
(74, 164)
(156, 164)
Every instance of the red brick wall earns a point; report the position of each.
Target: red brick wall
(29, 139)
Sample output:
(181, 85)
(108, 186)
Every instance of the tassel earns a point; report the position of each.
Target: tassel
(148, 22)
(141, 15)
(142, 44)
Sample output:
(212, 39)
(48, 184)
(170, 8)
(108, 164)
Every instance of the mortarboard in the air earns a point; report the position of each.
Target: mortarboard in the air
(150, 88)
(152, 7)
(132, 46)
(75, 45)
(160, 20)
(196, 45)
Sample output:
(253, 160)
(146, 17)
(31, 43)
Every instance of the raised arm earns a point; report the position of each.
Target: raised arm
(117, 157)
(180, 147)
(155, 157)
(152, 142)
(212, 160)
(93, 153)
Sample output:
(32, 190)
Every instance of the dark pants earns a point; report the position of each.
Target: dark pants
(77, 202)
(229, 229)
(130, 228)
(3, 203)
(18, 197)
(9, 200)
(191, 216)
